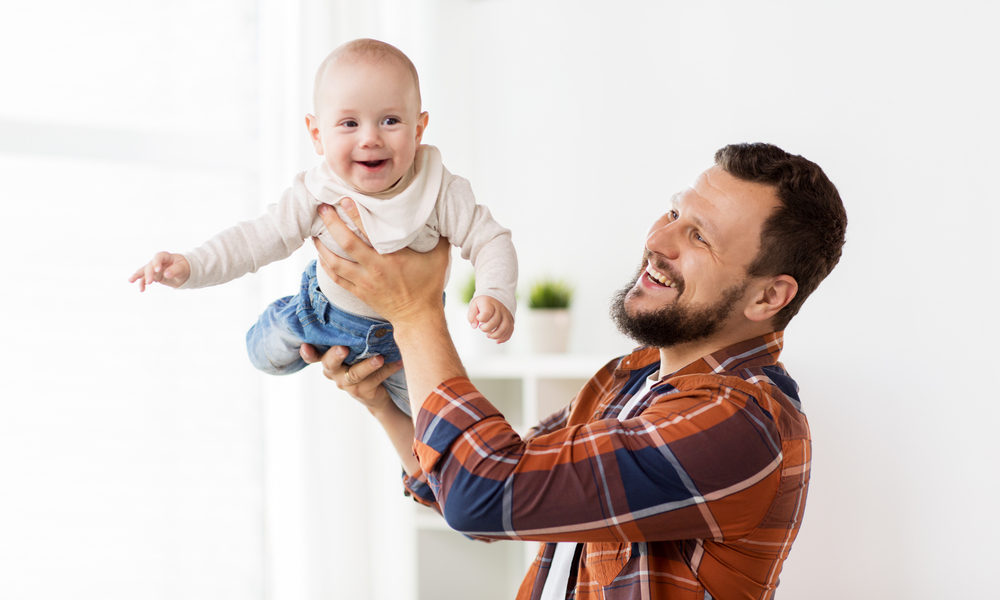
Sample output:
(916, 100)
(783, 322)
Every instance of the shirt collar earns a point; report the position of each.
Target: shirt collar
(754, 352)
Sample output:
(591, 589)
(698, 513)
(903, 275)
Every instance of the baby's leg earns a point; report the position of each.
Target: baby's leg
(273, 342)
(396, 386)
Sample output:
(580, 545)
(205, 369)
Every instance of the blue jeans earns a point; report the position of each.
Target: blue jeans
(308, 317)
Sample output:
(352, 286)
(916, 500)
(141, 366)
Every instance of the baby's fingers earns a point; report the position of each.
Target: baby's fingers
(489, 319)
(140, 276)
(160, 261)
(503, 331)
(153, 272)
(474, 315)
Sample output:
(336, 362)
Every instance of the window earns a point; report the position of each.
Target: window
(130, 424)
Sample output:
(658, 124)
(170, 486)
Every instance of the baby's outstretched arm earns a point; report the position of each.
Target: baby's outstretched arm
(491, 316)
(169, 269)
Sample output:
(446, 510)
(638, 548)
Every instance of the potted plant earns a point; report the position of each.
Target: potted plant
(548, 315)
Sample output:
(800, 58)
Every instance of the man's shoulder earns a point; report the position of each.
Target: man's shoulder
(767, 391)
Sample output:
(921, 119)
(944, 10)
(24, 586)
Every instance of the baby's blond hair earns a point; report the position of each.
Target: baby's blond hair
(361, 50)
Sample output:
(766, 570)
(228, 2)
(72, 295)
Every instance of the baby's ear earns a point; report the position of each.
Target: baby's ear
(312, 124)
(422, 125)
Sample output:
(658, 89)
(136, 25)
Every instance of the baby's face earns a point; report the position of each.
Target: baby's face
(368, 125)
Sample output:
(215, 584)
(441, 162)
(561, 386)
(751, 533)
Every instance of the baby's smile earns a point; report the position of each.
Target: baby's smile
(372, 164)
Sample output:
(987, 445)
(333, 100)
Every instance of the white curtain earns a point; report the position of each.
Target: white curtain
(140, 455)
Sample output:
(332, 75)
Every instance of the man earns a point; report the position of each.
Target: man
(680, 470)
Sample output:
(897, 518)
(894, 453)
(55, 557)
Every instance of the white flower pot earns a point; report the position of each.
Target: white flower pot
(547, 329)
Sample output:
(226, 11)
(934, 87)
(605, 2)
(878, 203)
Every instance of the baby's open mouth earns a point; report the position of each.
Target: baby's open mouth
(372, 164)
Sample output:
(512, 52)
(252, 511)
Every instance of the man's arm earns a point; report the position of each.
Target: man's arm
(695, 466)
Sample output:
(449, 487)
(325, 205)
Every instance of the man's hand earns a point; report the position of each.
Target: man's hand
(171, 270)
(402, 286)
(491, 316)
(405, 287)
(363, 381)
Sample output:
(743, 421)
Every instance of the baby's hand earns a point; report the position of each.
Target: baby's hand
(490, 315)
(171, 270)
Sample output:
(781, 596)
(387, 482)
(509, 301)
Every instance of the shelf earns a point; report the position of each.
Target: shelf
(538, 366)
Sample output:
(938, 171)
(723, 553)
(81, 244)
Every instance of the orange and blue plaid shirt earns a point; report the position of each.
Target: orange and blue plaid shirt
(697, 494)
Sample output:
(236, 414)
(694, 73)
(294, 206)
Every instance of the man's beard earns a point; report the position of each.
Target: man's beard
(672, 324)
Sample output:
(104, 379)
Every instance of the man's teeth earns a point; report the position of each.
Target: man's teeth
(660, 277)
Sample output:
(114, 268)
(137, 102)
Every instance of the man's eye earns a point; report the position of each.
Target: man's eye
(673, 215)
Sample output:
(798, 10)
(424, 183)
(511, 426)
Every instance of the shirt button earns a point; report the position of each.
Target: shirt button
(381, 332)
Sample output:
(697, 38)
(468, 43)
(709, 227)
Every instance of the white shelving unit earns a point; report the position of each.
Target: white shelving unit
(525, 388)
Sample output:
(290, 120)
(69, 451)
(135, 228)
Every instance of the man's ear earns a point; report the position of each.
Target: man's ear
(775, 295)
(422, 125)
(312, 124)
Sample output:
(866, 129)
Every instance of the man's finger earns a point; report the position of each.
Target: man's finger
(351, 208)
(359, 372)
(309, 354)
(388, 369)
(347, 239)
(343, 272)
(333, 359)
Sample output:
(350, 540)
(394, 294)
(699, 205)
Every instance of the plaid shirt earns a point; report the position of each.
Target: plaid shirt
(698, 494)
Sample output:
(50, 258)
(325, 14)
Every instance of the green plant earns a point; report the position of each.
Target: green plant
(468, 289)
(550, 293)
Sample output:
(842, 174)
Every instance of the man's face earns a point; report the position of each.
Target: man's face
(368, 123)
(692, 281)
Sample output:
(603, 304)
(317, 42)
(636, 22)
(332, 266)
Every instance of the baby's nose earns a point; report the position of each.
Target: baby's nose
(370, 137)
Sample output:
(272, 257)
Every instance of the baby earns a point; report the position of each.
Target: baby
(368, 126)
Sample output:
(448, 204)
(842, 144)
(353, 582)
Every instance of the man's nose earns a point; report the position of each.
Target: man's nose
(663, 240)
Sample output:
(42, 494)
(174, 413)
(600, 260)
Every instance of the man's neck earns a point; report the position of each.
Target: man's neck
(675, 358)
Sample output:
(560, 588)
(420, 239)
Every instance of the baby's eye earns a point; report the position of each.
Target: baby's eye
(390, 121)
(350, 123)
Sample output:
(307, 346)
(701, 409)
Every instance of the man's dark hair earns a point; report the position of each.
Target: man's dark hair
(804, 236)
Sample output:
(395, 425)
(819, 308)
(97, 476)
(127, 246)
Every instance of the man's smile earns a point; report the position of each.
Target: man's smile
(659, 278)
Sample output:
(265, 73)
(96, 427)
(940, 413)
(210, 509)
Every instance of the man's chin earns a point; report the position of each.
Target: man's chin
(669, 325)
(636, 297)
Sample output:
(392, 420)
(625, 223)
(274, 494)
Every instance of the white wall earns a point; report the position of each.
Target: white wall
(578, 121)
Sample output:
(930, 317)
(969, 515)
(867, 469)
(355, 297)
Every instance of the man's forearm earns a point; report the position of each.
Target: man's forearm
(429, 355)
(399, 428)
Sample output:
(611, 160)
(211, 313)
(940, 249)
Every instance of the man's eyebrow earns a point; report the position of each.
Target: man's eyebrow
(703, 225)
